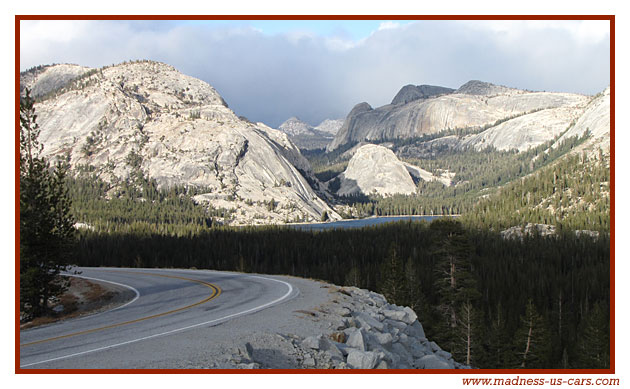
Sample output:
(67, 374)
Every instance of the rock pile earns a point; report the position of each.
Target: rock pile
(369, 333)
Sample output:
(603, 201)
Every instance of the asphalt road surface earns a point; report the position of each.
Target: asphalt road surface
(167, 303)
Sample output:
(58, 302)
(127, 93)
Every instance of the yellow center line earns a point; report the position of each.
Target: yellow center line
(216, 292)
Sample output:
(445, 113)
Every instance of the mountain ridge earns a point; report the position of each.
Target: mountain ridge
(308, 137)
(146, 117)
(475, 104)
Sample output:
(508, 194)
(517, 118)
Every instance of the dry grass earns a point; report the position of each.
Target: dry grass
(308, 313)
(338, 337)
(82, 296)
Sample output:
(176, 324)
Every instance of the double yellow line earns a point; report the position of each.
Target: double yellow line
(216, 292)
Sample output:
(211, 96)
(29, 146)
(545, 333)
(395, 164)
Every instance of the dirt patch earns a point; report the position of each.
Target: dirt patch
(83, 297)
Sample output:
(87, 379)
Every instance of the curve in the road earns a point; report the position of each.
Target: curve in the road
(216, 292)
(290, 293)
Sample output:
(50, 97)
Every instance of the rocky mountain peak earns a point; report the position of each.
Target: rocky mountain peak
(295, 126)
(359, 108)
(330, 126)
(481, 88)
(409, 93)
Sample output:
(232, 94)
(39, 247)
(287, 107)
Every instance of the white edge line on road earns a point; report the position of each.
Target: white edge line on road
(110, 282)
(251, 310)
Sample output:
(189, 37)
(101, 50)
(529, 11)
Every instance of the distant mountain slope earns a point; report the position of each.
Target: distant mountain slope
(481, 88)
(410, 93)
(147, 118)
(330, 126)
(42, 80)
(474, 105)
(595, 120)
(307, 137)
(526, 131)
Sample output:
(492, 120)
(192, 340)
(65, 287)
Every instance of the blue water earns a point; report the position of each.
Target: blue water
(358, 223)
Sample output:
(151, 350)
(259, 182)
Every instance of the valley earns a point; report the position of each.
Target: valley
(161, 173)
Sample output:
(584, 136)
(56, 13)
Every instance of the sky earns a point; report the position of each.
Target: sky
(271, 70)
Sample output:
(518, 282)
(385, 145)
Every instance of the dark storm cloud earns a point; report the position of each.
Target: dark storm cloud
(272, 77)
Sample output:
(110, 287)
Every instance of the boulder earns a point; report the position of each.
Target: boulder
(402, 353)
(383, 339)
(391, 358)
(411, 315)
(395, 324)
(309, 362)
(415, 330)
(434, 347)
(432, 362)
(330, 348)
(367, 322)
(356, 340)
(416, 349)
(362, 359)
(377, 299)
(312, 342)
(444, 354)
(397, 315)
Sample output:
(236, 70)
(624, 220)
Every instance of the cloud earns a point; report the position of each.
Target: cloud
(388, 26)
(271, 77)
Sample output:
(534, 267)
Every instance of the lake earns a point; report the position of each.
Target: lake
(358, 223)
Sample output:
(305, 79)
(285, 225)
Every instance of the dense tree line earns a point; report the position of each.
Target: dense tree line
(474, 292)
(138, 205)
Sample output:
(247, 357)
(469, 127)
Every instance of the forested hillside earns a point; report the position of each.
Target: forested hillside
(500, 189)
(572, 194)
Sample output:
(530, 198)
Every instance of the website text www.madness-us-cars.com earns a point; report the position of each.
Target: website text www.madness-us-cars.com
(518, 381)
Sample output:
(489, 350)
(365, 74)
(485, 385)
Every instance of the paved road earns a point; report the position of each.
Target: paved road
(167, 302)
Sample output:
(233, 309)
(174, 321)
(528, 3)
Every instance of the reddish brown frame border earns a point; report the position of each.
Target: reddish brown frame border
(610, 18)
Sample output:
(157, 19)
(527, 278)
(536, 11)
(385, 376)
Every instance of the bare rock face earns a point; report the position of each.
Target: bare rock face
(527, 131)
(519, 232)
(375, 169)
(595, 120)
(474, 105)
(409, 93)
(179, 131)
(481, 88)
(307, 137)
(45, 79)
(330, 126)
(294, 126)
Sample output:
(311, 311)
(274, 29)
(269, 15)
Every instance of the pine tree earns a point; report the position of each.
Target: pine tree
(468, 343)
(532, 340)
(416, 299)
(393, 281)
(498, 342)
(454, 283)
(593, 347)
(46, 225)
